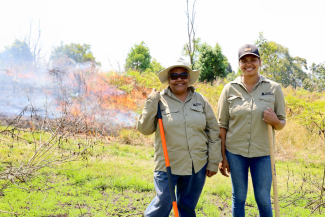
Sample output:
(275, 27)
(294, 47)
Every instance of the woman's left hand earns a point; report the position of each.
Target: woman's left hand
(210, 173)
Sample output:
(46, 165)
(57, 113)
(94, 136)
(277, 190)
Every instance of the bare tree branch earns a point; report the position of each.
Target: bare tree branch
(191, 33)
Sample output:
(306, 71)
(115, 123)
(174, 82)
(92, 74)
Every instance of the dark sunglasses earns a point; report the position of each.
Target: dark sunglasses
(175, 76)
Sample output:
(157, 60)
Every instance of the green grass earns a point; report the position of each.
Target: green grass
(111, 184)
(119, 182)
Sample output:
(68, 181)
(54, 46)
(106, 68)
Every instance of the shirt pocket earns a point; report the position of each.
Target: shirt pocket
(198, 114)
(267, 102)
(171, 116)
(235, 103)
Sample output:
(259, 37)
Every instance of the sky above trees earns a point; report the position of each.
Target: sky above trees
(112, 27)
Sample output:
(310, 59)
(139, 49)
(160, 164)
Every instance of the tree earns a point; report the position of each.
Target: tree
(195, 54)
(155, 66)
(34, 43)
(316, 79)
(231, 75)
(271, 65)
(191, 45)
(211, 62)
(138, 57)
(294, 68)
(279, 65)
(16, 54)
(77, 52)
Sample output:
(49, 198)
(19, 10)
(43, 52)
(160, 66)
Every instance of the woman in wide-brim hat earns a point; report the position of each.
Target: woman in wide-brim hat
(192, 137)
(245, 107)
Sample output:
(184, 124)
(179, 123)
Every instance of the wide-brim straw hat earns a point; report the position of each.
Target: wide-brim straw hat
(180, 62)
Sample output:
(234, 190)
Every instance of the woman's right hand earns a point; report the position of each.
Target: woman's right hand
(224, 168)
(154, 94)
(154, 90)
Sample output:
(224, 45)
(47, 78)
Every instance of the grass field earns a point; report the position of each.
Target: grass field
(118, 181)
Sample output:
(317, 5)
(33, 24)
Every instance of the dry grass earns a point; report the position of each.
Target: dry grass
(296, 143)
(131, 136)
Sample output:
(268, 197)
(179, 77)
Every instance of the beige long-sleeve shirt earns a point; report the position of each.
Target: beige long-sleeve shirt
(241, 113)
(191, 131)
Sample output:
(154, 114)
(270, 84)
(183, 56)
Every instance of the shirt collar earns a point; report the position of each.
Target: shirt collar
(169, 92)
(264, 79)
(238, 80)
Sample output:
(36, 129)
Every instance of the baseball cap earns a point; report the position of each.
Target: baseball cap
(248, 49)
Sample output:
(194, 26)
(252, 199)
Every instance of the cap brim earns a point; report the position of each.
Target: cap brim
(248, 54)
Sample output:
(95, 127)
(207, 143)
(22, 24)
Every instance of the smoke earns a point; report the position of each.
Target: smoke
(76, 89)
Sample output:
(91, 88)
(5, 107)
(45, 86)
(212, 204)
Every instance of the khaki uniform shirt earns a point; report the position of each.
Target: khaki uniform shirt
(191, 131)
(241, 113)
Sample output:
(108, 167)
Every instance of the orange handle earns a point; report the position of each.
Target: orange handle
(163, 140)
(169, 173)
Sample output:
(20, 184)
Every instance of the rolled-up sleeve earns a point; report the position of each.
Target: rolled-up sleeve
(214, 143)
(147, 121)
(279, 105)
(223, 109)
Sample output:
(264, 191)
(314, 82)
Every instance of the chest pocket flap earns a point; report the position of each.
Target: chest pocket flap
(171, 116)
(198, 115)
(268, 98)
(167, 111)
(235, 103)
(198, 108)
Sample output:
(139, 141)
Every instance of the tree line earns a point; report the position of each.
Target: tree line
(283, 68)
(277, 64)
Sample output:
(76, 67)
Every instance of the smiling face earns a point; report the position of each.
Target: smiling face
(179, 86)
(249, 65)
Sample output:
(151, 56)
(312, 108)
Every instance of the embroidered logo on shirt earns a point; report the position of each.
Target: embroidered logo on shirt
(196, 104)
(267, 93)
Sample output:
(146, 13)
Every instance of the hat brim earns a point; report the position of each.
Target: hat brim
(248, 54)
(194, 74)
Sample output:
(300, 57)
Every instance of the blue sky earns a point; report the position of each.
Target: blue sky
(112, 27)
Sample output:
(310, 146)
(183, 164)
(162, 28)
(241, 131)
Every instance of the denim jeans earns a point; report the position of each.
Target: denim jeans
(260, 169)
(188, 191)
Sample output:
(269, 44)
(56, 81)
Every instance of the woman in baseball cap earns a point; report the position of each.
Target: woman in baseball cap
(245, 108)
(192, 137)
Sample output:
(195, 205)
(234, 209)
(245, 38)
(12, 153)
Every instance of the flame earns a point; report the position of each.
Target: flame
(75, 110)
(113, 97)
(32, 127)
(84, 92)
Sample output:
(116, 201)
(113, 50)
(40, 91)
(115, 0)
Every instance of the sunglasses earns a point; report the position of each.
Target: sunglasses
(175, 76)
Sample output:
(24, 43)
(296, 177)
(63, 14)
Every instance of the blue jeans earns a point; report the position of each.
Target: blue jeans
(260, 168)
(188, 191)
